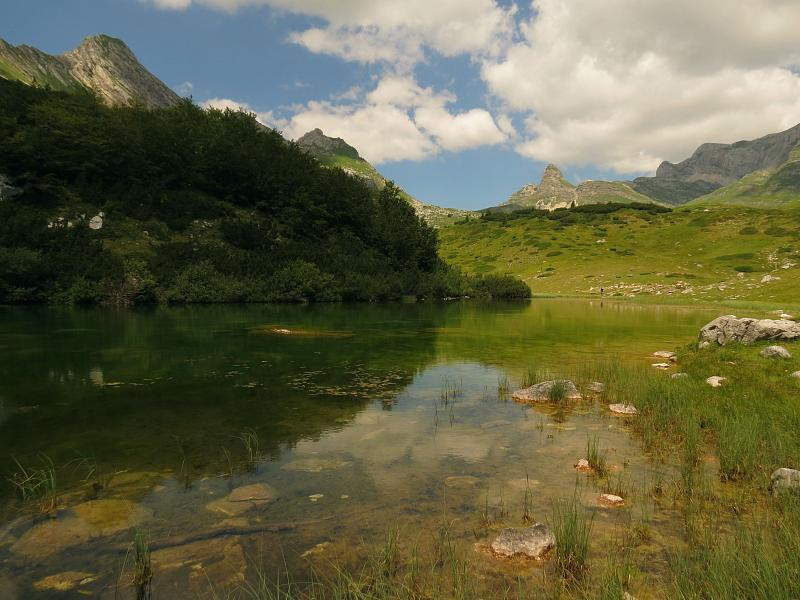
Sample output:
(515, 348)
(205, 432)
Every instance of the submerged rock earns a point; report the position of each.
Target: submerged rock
(776, 352)
(597, 387)
(611, 500)
(623, 409)
(716, 381)
(315, 465)
(84, 522)
(541, 392)
(219, 560)
(243, 499)
(458, 481)
(662, 365)
(679, 375)
(583, 466)
(727, 329)
(666, 354)
(533, 542)
(785, 479)
(64, 582)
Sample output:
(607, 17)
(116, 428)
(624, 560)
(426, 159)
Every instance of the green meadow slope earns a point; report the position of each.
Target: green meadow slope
(691, 253)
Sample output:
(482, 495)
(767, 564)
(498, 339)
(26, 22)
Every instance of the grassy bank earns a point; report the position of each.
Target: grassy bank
(697, 253)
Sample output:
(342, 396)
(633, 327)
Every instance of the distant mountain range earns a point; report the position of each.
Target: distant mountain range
(554, 191)
(761, 172)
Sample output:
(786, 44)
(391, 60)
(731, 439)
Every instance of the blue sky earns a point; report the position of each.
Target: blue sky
(464, 101)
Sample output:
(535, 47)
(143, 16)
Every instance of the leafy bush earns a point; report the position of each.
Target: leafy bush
(502, 287)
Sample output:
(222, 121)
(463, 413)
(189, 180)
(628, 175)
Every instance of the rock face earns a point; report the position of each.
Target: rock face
(101, 63)
(541, 392)
(775, 352)
(785, 479)
(715, 165)
(316, 143)
(533, 542)
(727, 329)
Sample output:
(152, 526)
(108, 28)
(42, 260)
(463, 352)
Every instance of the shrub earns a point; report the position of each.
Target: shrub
(502, 287)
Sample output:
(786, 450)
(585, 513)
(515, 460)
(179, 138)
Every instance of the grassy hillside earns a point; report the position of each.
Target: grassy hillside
(715, 253)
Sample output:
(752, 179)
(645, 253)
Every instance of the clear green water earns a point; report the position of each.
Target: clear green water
(347, 406)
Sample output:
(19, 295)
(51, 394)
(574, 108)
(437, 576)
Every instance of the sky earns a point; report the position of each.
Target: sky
(462, 102)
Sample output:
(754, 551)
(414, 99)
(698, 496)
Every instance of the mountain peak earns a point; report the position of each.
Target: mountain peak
(101, 63)
(315, 142)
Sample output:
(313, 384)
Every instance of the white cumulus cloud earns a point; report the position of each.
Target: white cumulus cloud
(399, 120)
(624, 84)
(266, 118)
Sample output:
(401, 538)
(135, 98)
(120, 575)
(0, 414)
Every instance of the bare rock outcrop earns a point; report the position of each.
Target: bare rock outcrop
(730, 329)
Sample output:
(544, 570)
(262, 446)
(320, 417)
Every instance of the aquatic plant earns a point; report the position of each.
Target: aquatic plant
(596, 458)
(572, 528)
(36, 483)
(558, 392)
(249, 440)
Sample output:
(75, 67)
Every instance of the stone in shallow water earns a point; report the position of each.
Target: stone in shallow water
(597, 387)
(679, 375)
(611, 500)
(316, 465)
(219, 560)
(583, 466)
(84, 522)
(64, 582)
(666, 354)
(243, 499)
(623, 409)
(785, 479)
(716, 381)
(541, 391)
(776, 352)
(459, 481)
(533, 542)
(796, 375)
(662, 365)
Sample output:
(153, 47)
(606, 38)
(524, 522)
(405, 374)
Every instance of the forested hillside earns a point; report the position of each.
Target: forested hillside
(129, 205)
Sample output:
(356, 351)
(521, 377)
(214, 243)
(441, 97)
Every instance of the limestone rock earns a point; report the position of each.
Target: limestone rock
(622, 409)
(84, 522)
(461, 481)
(785, 479)
(611, 500)
(596, 387)
(96, 222)
(796, 375)
(662, 365)
(769, 278)
(666, 354)
(727, 329)
(775, 352)
(533, 542)
(541, 391)
(716, 381)
(220, 560)
(63, 582)
(679, 375)
(583, 466)
(243, 499)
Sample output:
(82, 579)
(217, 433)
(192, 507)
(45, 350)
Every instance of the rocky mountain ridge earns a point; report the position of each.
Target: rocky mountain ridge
(102, 64)
(554, 192)
(713, 166)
